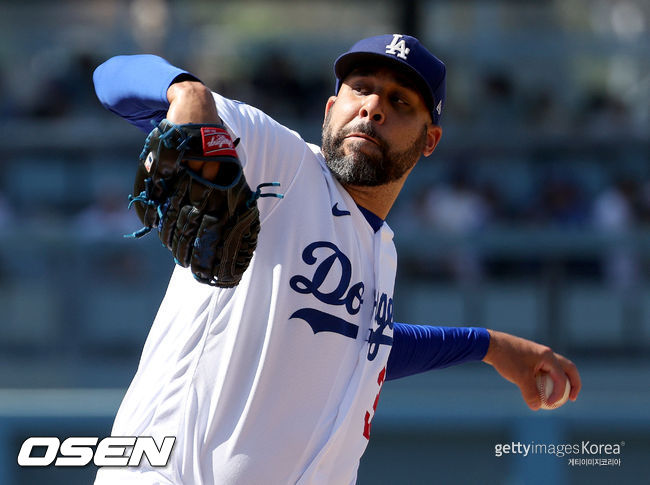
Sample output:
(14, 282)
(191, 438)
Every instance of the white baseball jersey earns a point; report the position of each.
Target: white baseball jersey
(274, 381)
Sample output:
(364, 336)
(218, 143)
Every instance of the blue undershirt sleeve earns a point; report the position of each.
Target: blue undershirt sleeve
(419, 348)
(135, 87)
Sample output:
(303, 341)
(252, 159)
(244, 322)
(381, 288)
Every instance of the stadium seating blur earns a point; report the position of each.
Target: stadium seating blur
(531, 217)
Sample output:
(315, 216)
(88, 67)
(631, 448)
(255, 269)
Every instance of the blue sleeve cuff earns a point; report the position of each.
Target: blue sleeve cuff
(135, 87)
(419, 348)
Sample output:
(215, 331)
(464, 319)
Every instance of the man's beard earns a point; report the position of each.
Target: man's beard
(359, 168)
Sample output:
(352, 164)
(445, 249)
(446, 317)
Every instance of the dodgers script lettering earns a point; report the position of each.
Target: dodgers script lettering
(325, 255)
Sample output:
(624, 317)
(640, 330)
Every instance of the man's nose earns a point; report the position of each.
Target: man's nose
(372, 108)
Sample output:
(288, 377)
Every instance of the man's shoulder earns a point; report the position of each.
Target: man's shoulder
(316, 151)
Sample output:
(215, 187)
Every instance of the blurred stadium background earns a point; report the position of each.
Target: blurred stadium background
(532, 216)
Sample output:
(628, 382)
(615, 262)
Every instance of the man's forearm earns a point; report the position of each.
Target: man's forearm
(135, 87)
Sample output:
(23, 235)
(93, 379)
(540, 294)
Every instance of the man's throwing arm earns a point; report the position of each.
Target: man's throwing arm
(135, 87)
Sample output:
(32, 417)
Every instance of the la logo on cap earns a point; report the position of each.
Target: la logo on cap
(398, 47)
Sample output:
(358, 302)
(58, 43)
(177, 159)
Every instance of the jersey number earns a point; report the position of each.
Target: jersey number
(368, 420)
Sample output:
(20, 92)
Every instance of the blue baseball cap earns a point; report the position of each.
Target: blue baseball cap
(407, 54)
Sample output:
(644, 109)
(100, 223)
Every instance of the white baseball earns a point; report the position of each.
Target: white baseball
(545, 388)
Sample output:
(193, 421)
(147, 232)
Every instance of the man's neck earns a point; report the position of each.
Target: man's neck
(379, 199)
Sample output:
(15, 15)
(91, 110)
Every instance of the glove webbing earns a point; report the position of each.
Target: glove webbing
(161, 208)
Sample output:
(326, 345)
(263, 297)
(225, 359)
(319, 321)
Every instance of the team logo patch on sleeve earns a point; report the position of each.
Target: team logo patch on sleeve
(217, 141)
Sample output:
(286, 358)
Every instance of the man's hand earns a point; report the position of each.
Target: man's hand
(518, 360)
(192, 102)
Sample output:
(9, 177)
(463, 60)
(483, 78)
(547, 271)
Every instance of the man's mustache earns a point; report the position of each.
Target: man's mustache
(364, 129)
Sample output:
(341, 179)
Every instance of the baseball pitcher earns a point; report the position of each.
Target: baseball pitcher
(276, 334)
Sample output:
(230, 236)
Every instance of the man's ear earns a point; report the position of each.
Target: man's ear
(329, 104)
(434, 133)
